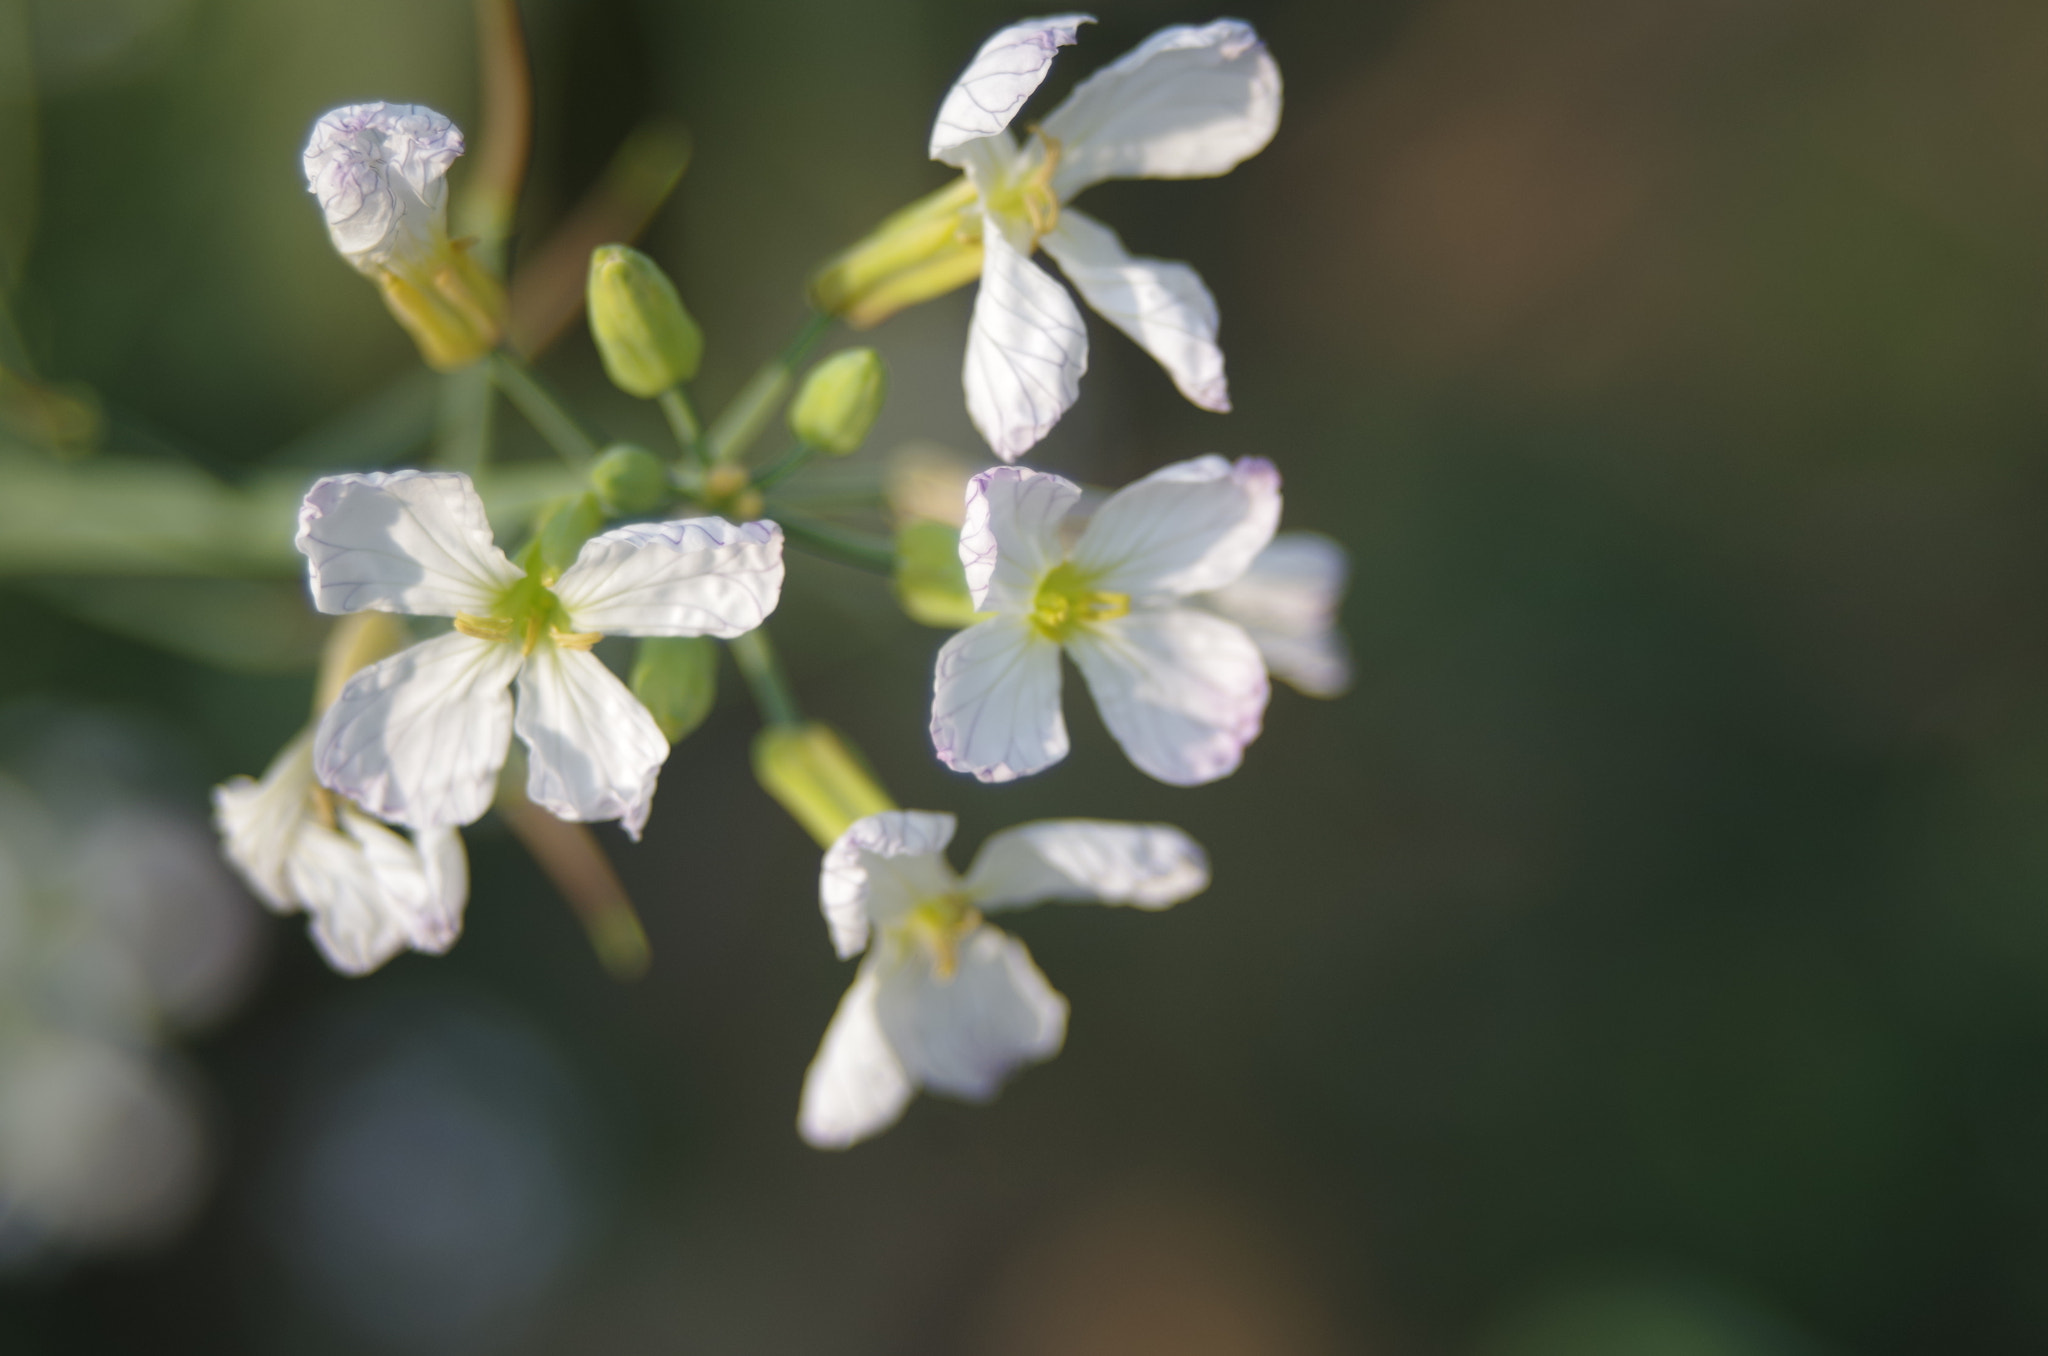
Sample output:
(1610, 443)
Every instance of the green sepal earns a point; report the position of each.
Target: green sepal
(676, 679)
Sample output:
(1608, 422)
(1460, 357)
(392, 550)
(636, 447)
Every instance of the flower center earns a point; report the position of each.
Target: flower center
(939, 925)
(1066, 601)
(524, 615)
(1028, 194)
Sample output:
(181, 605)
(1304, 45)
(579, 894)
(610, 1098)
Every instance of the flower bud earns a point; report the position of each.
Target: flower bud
(559, 533)
(648, 341)
(812, 773)
(839, 401)
(630, 479)
(676, 679)
(931, 584)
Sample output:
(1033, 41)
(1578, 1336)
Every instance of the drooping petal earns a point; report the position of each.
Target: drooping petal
(401, 541)
(1006, 71)
(1186, 528)
(879, 869)
(352, 919)
(1186, 103)
(855, 1087)
(1287, 603)
(996, 701)
(593, 750)
(1163, 306)
(693, 577)
(1087, 861)
(259, 821)
(445, 866)
(422, 884)
(1026, 350)
(417, 739)
(1181, 690)
(380, 173)
(965, 1033)
(1011, 535)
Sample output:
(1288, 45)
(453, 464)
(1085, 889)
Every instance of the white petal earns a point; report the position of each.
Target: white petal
(1087, 861)
(417, 739)
(594, 751)
(965, 1033)
(353, 920)
(1186, 103)
(1163, 306)
(420, 885)
(380, 173)
(996, 701)
(1287, 603)
(1006, 71)
(445, 866)
(1026, 350)
(879, 869)
(259, 821)
(1186, 528)
(856, 1086)
(402, 541)
(1182, 691)
(1011, 535)
(694, 577)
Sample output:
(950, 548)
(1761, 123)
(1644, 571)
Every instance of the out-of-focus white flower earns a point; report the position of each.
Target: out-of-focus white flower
(380, 172)
(1181, 689)
(1287, 603)
(368, 892)
(418, 739)
(1187, 103)
(943, 1001)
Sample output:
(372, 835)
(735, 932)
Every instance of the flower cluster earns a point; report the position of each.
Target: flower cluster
(1173, 596)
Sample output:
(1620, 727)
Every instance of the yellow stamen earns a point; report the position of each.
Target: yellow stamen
(1065, 602)
(483, 628)
(940, 926)
(575, 640)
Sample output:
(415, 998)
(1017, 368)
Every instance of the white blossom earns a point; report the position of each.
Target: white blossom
(1181, 689)
(368, 892)
(417, 739)
(380, 172)
(1188, 102)
(1287, 603)
(942, 1000)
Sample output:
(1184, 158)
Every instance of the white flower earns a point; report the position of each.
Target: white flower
(418, 739)
(1181, 689)
(368, 892)
(944, 1001)
(1186, 103)
(1287, 603)
(380, 172)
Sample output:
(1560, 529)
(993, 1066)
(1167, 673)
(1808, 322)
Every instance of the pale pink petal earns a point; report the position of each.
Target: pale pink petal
(1011, 535)
(1186, 528)
(856, 1087)
(1026, 350)
(996, 701)
(1006, 71)
(401, 541)
(694, 577)
(593, 750)
(1181, 690)
(1163, 306)
(965, 1033)
(1087, 861)
(879, 869)
(1287, 603)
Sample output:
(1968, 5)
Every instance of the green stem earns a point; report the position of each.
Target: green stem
(762, 669)
(784, 467)
(742, 421)
(862, 550)
(547, 414)
(682, 421)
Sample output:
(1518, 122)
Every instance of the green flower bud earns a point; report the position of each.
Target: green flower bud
(646, 338)
(676, 679)
(839, 401)
(630, 479)
(814, 775)
(559, 533)
(930, 581)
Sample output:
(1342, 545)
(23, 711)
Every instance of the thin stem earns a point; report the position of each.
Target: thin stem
(862, 550)
(742, 421)
(785, 466)
(573, 859)
(682, 421)
(806, 339)
(762, 669)
(547, 414)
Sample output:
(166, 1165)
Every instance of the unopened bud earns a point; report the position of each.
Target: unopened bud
(560, 531)
(630, 479)
(648, 341)
(814, 775)
(839, 401)
(931, 584)
(676, 679)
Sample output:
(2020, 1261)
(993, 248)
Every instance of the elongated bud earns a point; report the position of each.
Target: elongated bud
(559, 533)
(676, 679)
(630, 479)
(839, 400)
(648, 341)
(812, 773)
(930, 581)
(924, 251)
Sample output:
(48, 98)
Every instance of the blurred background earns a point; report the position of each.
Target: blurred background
(1649, 957)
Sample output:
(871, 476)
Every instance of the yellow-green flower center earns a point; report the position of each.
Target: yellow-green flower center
(1029, 195)
(939, 925)
(1067, 600)
(524, 614)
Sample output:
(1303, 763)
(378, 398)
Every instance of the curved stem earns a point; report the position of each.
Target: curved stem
(862, 550)
(549, 417)
(682, 422)
(762, 669)
(785, 466)
(742, 420)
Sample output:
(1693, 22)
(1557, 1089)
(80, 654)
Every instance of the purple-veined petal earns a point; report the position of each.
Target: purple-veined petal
(1186, 528)
(855, 1087)
(380, 172)
(965, 1033)
(1087, 861)
(417, 739)
(1186, 103)
(693, 577)
(1182, 691)
(1163, 306)
(996, 701)
(1026, 350)
(593, 750)
(1011, 535)
(401, 541)
(879, 869)
(1004, 74)
(353, 918)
